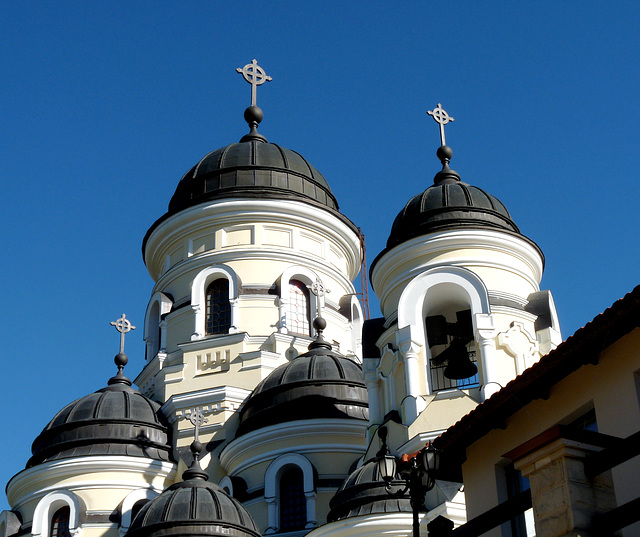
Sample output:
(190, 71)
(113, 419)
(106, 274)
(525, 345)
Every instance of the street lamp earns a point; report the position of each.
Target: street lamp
(417, 470)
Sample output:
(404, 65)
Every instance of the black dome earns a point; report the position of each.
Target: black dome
(363, 493)
(317, 384)
(447, 206)
(449, 203)
(116, 420)
(252, 168)
(193, 507)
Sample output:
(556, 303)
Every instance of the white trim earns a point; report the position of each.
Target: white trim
(129, 502)
(198, 297)
(47, 507)
(257, 446)
(150, 335)
(217, 214)
(9, 523)
(272, 489)
(177, 406)
(26, 484)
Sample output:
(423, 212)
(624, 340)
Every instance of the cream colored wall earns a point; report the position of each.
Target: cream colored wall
(611, 388)
(101, 482)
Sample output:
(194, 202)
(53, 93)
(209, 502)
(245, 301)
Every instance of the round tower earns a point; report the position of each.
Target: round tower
(251, 250)
(459, 289)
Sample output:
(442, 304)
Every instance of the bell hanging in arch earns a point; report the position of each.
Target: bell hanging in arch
(459, 366)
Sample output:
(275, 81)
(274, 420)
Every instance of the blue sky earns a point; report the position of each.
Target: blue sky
(105, 105)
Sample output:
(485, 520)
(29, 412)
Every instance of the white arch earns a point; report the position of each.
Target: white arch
(47, 507)
(356, 327)
(411, 335)
(306, 276)
(128, 503)
(198, 298)
(159, 305)
(227, 485)
(271, 489)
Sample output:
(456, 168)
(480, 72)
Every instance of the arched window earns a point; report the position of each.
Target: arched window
(218, 317)
(293, 509)
(59, 526)
(299, 314)
(136, 508)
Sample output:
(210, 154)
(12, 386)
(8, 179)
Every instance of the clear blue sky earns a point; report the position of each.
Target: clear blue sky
(105, 105)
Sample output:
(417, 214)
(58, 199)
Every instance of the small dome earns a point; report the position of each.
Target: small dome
(116, 420)
(364, 493)
(317, 384)
(448, 204)
(252, 168)
(193, 507)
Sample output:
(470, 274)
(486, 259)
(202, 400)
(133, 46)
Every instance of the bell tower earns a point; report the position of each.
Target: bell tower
(463, 313)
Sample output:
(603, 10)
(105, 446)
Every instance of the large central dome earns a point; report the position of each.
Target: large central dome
(253, 168)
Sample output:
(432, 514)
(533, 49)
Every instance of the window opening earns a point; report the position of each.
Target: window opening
(522, 525)
(60, 523)
(453, 361)
(293, 506)
(136, 508)
(218, 307)
(299, 313)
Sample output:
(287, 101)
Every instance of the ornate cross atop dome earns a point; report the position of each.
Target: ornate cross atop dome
(123, 325)
(256, 76)
(442, 118)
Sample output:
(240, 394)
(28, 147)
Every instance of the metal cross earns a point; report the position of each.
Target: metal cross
(196, 417)
(442, 118)
(255, 75)
(123, 325)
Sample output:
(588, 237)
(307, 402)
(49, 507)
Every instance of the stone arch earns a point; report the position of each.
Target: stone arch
(198, 297)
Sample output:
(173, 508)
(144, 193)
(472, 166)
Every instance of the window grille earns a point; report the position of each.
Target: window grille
(60, 523)
(298, 319)
(293, 506)
(218, 307)
(440, 382)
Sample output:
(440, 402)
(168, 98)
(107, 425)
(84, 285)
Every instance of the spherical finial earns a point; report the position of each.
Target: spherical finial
(444, 153)
(253, 114)
(121, 360)
(196, 447)
(319, 323)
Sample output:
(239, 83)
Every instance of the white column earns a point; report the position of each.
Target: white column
(485, 337)
(235, 308)
(373, 389)
(311, 509)
(272, 512)
(198, 321)
(409, 352)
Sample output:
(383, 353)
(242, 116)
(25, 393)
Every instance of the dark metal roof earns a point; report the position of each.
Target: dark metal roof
(449, 203)
(363, 493)
(583, 348)
(317, 384)
(116, 420)
(193, 507)
(247, 168)
(252, 168)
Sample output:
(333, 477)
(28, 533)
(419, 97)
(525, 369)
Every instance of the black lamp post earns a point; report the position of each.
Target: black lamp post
(416, 470)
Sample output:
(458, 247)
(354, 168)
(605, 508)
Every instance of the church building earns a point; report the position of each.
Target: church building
(267, 398)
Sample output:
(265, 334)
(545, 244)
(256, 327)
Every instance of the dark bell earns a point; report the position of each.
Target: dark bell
(459, 366)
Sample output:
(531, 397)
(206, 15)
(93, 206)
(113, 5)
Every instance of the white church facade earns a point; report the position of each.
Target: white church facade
(254, 331)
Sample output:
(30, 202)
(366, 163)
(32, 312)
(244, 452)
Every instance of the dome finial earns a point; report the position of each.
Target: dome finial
(444, 152)
(122, 325)
(196, 417)
(256, 76)
(319, 324)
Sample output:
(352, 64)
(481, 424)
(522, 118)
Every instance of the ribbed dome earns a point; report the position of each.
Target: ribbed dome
(116, 420)
(193, 507)
(252, 168)
(448, 204)
(363, 493)
(317, 384)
